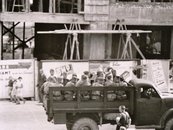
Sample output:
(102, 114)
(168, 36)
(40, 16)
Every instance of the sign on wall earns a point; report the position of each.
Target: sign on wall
(17, 68)
(123, 68)
(69, 67)
(157, 72)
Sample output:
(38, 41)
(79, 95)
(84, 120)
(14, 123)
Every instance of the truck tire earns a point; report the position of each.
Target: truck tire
(169, 125)
(85, 124)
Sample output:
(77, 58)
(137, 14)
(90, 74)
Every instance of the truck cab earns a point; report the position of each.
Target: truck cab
(147, 107)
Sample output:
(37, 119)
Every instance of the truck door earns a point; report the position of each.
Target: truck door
(148, 107)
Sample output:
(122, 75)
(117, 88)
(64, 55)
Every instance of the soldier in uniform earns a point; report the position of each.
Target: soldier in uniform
(68, 95)
(96, 95)
(84, 82)
(57, 95)
(111, 96)
(41, 81)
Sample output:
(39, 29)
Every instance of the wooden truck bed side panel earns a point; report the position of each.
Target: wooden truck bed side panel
(56, 108)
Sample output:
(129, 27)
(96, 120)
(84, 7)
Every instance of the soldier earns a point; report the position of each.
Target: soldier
(96, 95)
(68, 95)
(84, 82)
(111, 96)
(57, 95)
(41, 81)
(51, 80)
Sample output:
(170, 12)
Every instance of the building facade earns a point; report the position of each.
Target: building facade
(51, 15)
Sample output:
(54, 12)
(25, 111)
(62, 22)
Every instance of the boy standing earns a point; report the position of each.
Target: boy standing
(19, 86)
(124, 120)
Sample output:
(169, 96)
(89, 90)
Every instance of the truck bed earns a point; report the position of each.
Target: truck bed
(78, 105)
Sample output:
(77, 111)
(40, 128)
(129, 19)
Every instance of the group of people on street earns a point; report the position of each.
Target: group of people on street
(15, 87)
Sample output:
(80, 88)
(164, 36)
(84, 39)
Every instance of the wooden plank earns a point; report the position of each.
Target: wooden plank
(39, 17)
(96, 2)
(93, 31)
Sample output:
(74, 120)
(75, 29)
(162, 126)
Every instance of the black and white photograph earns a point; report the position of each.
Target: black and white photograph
(86, 64)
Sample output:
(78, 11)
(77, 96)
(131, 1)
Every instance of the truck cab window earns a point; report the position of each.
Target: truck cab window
(148, 92)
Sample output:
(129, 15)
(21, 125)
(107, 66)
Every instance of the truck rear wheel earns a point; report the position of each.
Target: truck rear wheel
(85, 124)
(169, 125)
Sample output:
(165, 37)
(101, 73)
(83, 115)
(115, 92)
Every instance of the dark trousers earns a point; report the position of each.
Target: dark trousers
(118, 127)
(40, 95)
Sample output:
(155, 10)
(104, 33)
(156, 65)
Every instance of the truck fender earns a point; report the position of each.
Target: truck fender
(166, 116)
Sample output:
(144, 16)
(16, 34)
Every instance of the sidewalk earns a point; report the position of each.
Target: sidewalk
(30, 116)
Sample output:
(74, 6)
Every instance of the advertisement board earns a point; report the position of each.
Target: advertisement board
(123, 68)
(157, 72)
(69, 67)
(15, 69)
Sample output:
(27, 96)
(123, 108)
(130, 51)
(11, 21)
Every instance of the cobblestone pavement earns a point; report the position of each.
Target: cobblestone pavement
(30, 116)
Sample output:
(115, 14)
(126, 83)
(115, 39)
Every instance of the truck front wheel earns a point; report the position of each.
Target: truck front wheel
(169, 125)
(85, 124)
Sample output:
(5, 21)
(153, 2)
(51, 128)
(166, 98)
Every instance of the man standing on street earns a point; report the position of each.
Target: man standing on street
(42, 79)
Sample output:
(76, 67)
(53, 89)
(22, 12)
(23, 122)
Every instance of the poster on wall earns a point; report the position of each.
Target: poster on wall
(15, 69)
(157, 72)
(69, 67)
(123, 68)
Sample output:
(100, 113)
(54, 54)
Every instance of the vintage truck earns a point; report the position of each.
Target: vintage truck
(147, 107)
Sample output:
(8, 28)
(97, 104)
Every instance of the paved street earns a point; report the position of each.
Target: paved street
(30, 116)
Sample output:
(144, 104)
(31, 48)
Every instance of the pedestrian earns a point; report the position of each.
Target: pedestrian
(51, 80)
(124, 120)
(14, 89)
(10, 88)
(19, 93)
(41, 81)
